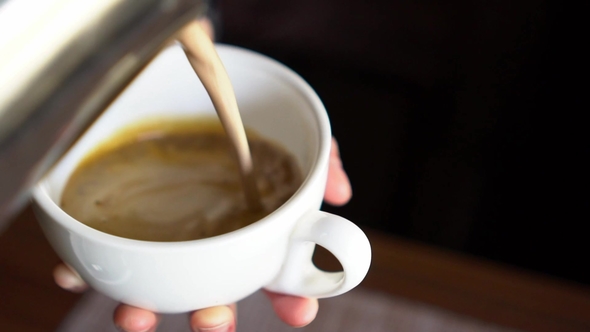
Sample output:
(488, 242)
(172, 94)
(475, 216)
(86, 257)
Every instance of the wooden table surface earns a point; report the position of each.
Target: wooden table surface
(491, 292)
(30, 300)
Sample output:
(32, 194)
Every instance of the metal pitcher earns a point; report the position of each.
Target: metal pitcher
(62, 62)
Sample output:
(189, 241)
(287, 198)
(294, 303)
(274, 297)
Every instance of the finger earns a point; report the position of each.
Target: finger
(338, 189)
(66, 278)
(294, 311)
(132, 319)
(214, 319)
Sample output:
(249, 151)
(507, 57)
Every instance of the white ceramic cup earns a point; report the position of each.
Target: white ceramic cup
(273, 253)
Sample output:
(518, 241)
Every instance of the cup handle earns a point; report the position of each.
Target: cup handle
(346, 241)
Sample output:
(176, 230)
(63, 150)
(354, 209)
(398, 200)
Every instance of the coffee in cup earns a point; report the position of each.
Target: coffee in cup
(175, 180)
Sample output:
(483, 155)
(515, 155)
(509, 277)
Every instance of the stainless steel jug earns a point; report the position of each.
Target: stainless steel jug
(61, 63)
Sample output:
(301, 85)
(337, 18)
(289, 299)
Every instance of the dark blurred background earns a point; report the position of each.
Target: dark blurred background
(460, 122)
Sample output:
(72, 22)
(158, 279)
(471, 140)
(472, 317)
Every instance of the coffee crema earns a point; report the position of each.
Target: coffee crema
(175, 180)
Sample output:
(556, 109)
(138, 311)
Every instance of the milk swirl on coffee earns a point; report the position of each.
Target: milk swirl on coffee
(175, 183)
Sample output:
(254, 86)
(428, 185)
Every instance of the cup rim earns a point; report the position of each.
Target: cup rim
(41, 196)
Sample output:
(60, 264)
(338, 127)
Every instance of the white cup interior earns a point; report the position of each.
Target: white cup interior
(273, 101)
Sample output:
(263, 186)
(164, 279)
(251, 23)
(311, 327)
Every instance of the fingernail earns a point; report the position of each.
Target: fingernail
(120, 329)
(220, 328)
(151, 329)
(68, 279)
